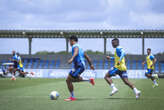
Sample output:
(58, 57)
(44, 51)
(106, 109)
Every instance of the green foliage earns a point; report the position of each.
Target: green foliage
(64, 52)
(50, 53)
(160, 54)
(94, 52)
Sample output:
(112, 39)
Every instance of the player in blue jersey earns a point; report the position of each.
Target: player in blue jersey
(14, 59)
(150, 60)
(119, 69)
(20, 68)
(78, 60)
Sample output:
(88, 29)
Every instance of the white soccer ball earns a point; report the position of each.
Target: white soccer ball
(54, 95)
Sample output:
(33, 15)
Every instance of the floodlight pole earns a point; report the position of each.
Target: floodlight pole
(67, 45)
(104, 46)
(29, 44)
(143, 43)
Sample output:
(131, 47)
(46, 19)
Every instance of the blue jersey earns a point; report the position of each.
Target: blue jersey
(15, 57)
(80, 57)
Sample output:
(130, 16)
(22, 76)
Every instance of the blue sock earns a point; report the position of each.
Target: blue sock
(72, 94)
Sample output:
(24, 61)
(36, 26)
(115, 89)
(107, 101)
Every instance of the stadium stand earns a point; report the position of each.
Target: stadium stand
(99, 61)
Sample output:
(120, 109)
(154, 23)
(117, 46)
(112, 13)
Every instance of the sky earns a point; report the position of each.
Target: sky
(80, 14)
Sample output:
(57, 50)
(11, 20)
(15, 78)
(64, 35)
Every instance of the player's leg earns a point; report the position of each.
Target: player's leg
(108, 78)
(77, 78)
(148, 74)
(69, 81)
(16, 67)
(10, 69)
(124, 78)
(23, 73)
(73, 77)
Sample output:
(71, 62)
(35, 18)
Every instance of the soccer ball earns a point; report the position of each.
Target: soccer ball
(54, 95)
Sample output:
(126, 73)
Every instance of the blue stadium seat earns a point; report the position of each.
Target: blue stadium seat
(57, 64)
(52, 64)
(41, 64)
(25, 63)
(106, 64)
(4, 61)
(30, 63)
(157, 67)
(134, 64)
(128, 64)
(36, 63)
(46, 64)
(139, 63)
(162, 67)
(100, 64)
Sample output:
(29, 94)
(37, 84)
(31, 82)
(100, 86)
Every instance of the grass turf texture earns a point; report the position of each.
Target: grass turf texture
(26, 94)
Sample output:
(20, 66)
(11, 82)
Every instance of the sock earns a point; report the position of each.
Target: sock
(154, 81)
(113, 86)
(135, 90)
(72, 94)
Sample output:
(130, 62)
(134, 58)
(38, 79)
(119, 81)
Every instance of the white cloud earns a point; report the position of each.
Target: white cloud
(148, 20)
(80, 13)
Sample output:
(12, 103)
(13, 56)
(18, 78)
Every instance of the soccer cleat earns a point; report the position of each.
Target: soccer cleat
(138, 93)
(92, 81)
(155, 85)
(70, 99)
(114, 91)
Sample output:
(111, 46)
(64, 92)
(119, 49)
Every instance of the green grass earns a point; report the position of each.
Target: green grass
(26, 94)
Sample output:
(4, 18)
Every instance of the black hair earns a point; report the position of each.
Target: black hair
(73, 37)
(18, 53)
(149, 49)
(115, 39)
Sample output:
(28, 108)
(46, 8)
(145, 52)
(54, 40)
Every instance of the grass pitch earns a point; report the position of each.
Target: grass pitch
(26, 94)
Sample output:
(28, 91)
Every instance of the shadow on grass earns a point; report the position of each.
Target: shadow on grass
(109, 98)
(120, 98)
(116, 98)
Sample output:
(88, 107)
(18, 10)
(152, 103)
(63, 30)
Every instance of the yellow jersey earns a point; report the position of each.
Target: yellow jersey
(20, 62)
(149, 61)
(119, 56)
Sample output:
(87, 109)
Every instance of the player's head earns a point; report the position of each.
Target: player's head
(115, 42)
(73, 39)
(148, 51)
(18, 54)
(13, 52)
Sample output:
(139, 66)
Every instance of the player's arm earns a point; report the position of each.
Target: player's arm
(143, 63)
(109, 58)
(76, 51)
(89, 61)
(11, 59)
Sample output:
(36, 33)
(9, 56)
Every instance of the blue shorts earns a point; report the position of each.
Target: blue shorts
(21, 69)
(149, 71)
(77, 71)
(114, 71)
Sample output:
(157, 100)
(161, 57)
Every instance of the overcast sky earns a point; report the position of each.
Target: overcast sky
(80, 14)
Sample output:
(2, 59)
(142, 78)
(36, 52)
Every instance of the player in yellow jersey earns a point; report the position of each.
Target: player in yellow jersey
(150, 61)
(119, 69)
(21, 68)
